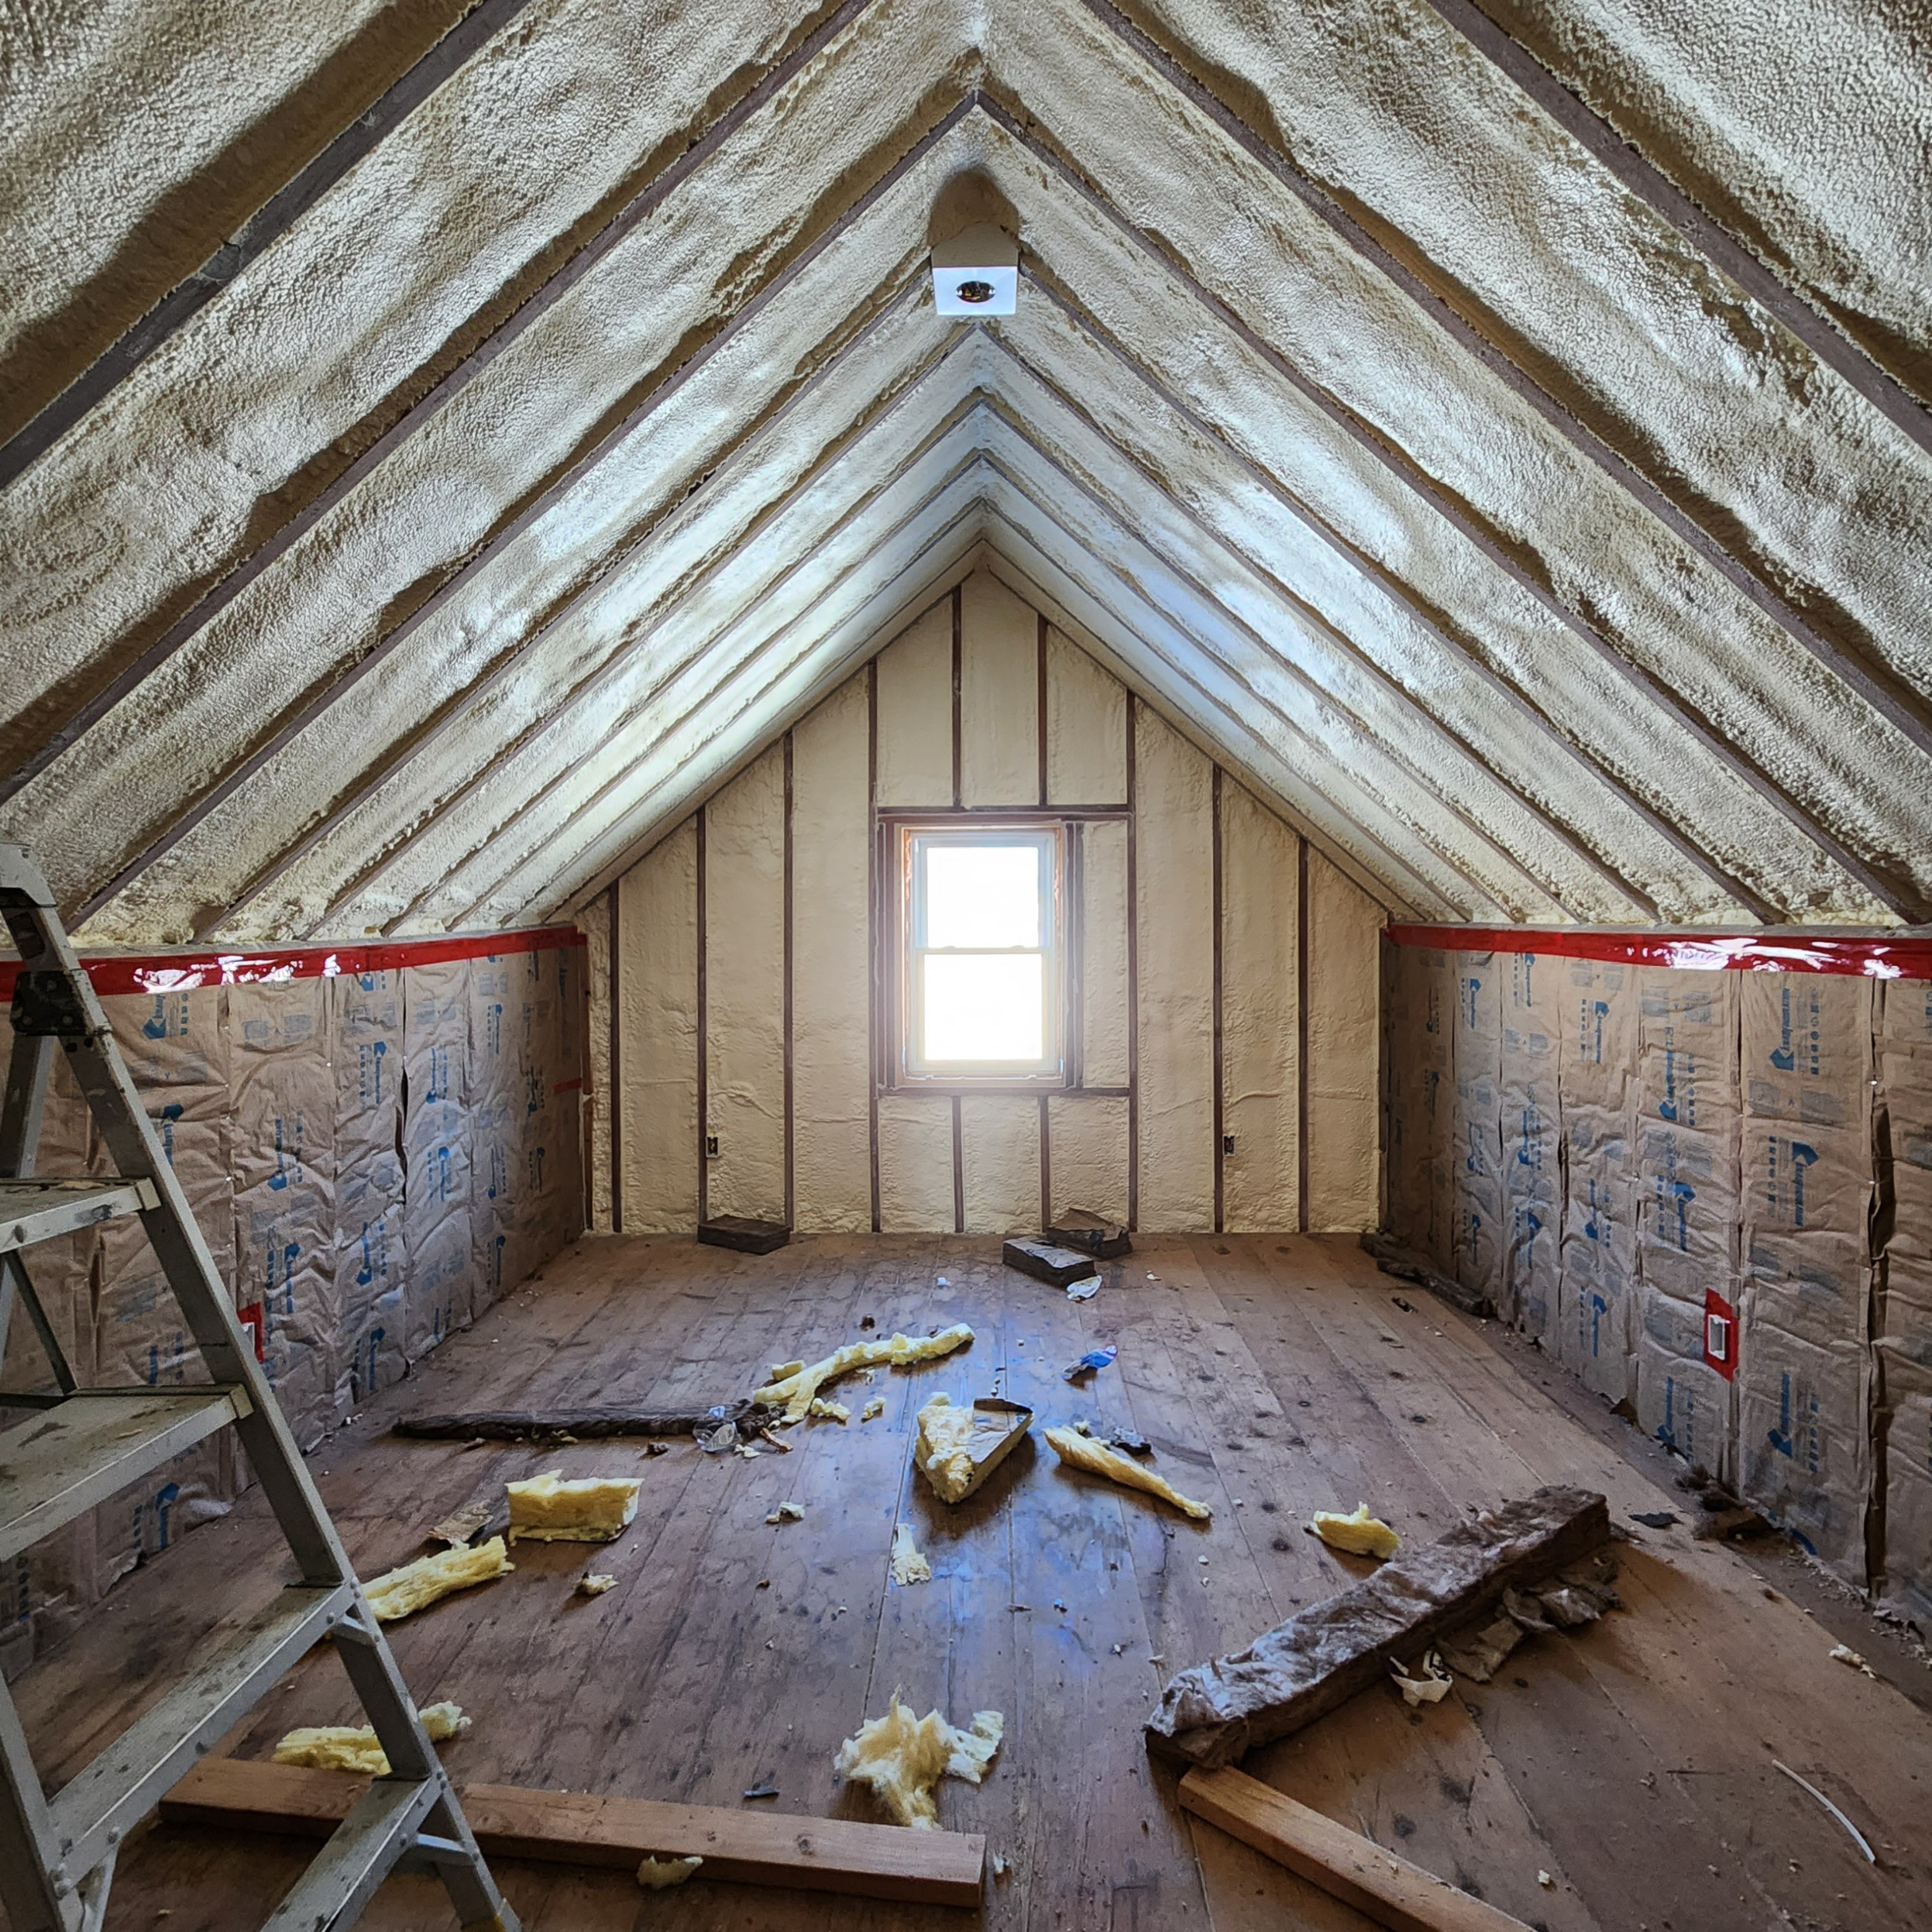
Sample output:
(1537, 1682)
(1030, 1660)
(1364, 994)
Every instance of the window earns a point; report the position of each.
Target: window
(982, 989)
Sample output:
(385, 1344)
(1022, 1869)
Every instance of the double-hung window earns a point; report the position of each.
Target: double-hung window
(984, 982)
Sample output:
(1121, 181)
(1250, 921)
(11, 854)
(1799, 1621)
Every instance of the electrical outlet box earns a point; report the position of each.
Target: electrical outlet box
(711, 1146)
(1227, 1143)
(976, 272)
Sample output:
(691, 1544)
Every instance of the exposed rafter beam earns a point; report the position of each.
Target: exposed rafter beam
(1902, 706)
(1664, 199)
(1404, 595)
(271, 219)
(1904, 901)
(222, 593)
(1319, 753)
(454, 712)
(459, 579)
(1416, 770)
(1318, 626)
(681, 655)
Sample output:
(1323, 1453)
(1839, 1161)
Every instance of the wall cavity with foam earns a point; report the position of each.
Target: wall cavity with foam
(745, 993)
(1707, 1194)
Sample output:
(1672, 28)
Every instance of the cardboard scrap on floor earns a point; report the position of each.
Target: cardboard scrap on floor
(1323, 1655)
(398, 1594)
(354, 1747)
(956, 1449)
(798, 1389)
(595, 1509)
(1083, 1452)
(903, 1758)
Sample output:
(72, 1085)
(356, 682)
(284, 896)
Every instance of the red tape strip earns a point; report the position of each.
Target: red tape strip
(1866, 957)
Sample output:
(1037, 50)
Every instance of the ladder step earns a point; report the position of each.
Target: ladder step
(38, 1210)
(361, 1853)
(79, 1453)
(95, 1809)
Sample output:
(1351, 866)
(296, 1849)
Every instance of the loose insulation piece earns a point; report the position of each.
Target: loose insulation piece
(398, 1594)
(829, 1411)
(353, 1747)
(1361, 1533)
(547, 1509)
(957, 1449)
(903, 1757)
(796, 1389)
(875, 1407)
(909, 1564)
(596, 1583)
(1096, 1459)
(657, 1874)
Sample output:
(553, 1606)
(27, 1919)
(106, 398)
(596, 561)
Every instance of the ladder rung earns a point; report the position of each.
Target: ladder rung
(359, 1855)
(96, 1807)
(36, 1210)
(79, 1453)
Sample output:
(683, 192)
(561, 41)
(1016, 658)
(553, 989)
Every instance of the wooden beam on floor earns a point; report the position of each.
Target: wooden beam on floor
(577, 1828)
(1354, 1869)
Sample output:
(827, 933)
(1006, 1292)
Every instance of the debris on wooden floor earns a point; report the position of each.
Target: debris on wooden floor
(1047, 1262)
(1089, 1234)
(1357, 1533)
(796, 1390)
(1094, 1458)
(582, 1424)
(908, 1562)
(956, 1449)
(742, 1232)
(549, 1509)
(903, 1758)
(354, 1748)
(661, 1874)
(402, 1592)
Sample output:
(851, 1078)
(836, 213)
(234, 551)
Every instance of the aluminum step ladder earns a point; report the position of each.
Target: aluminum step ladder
(56, 1858)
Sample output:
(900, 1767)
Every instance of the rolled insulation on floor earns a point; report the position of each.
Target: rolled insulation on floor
(595, 1509)
(398, 1594)
(1096, 1459)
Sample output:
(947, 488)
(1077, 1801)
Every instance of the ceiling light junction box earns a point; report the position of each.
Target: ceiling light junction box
(977, 273)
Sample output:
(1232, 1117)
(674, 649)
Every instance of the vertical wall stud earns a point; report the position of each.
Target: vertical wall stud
(1040, 703)
(1133, 966)
(704, 1040)
(1046, 1170)
(959, 1171)
(1220, 1080)
(790, 1131)
(1301, 1025)
(959, 666)
(614, 1101)
(874, 1062)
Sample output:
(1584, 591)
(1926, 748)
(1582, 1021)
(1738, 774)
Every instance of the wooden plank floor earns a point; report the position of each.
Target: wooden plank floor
(1617, 1781)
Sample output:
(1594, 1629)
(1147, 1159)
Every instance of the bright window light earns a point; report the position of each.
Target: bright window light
(983, 976)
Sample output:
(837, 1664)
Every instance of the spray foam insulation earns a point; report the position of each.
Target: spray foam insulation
(398, 1594)
(1262, 1104)
(915, 712)
(903, 1758)
(999, 681)
(744, 967)
(657, 1016)
(1103, 962)
(796, 1390)
(596, 1509)
(353, 1747)
(1089, 1142)
(1086, 727)
(915, 1162)
(1096, 1459)
(999, 1146)
(1175, 907)
(831, 967)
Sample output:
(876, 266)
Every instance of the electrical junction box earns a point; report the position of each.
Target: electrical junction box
(977, 273)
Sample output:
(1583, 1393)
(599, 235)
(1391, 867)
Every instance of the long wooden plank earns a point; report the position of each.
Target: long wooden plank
(747, 1848)
(1389, 1889)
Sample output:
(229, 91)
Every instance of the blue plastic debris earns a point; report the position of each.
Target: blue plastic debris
(1095, 1358)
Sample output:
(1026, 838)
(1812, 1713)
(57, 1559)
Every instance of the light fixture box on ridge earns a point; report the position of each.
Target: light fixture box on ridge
(976, 272)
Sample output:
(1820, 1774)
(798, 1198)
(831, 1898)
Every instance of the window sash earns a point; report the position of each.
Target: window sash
(1050, 1069)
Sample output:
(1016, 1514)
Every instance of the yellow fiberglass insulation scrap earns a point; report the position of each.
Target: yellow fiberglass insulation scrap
(353, 1747)
(656, 1873)
(908, 1563)
(901, 1757)
(1097, 1459)
(796, 1389)
(401, 1592)
(1360, 1534)
(594, 1509)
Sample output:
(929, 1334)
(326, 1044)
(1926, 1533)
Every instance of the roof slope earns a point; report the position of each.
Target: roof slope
(544, 407)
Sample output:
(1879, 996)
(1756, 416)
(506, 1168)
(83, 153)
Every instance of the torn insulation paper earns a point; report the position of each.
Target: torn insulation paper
(796, 1389)
(1429, 1685)
(596, 1509)
(1096, 1459)
(398, 1594)
(908, 1565)
(903, 1757)
(1360, 1534)
(354, 1747)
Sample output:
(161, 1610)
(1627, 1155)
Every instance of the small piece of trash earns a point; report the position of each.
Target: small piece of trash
(1085, 1291)
(787, 1512)
(1094, 1359)
(1116, 1650)
(1001, 1871)
(1429, 1685)
(764, 1583)
(1871, 1856)
(1844, 1654)
(943, 1282)
(763, 1790)
(1408, 1308)
(866, 1322)
(1058, 1604)
(660, 1874)
(1543, 1878)
(1654, 1518)
(596, 1583)
(1019, 1606)
(657, 1449)
(716, 1434)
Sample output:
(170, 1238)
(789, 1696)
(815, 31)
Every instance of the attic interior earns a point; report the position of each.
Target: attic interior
(1095, 840)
